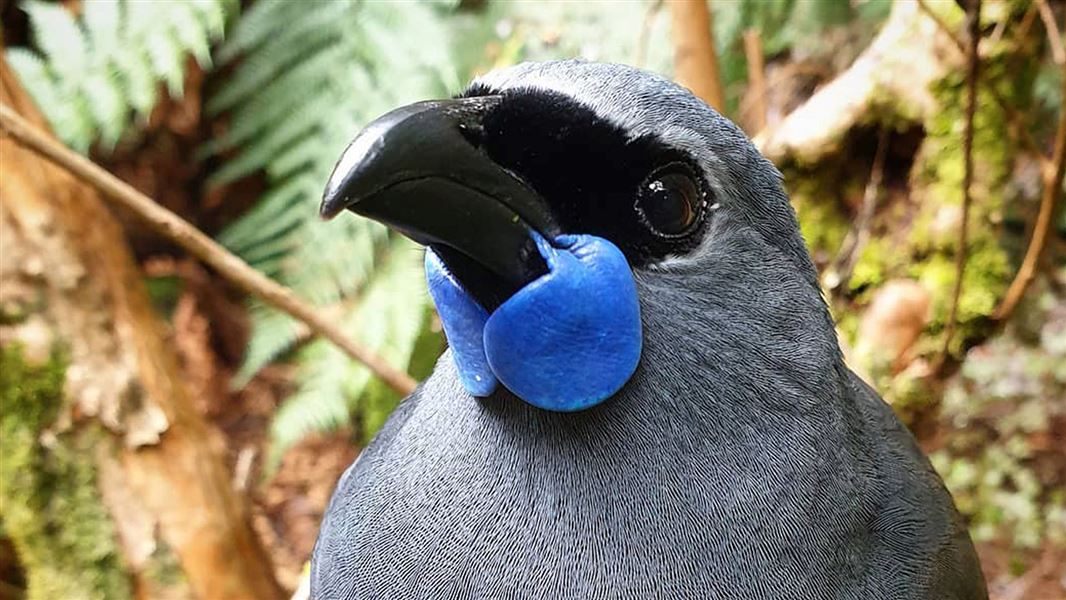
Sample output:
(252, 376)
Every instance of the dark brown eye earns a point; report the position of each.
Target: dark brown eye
(670, 200)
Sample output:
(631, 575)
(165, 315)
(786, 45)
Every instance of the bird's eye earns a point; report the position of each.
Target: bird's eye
(670, 201)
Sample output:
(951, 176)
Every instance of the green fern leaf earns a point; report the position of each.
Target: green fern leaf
(212, 16)
(96, 72)
(307, 81)
(330, 386)
(139, 82)
(103, 24)
(276, 206)
(107, 106)
(273, 332)
(60, 39)
(258, 24)
(189, 33)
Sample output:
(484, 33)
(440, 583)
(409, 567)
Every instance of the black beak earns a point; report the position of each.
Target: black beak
(419, 169)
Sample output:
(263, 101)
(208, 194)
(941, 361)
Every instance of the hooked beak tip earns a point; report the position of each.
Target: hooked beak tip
(327, 210)
(335, 198)
(417, 171)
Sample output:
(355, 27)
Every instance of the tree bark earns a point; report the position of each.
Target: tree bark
(96, 408)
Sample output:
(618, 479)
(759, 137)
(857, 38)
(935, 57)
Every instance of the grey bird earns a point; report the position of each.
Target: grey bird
(741, 459)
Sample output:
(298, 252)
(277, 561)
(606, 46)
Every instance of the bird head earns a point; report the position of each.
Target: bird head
(577, 214)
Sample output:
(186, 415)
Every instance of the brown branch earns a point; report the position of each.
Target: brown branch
(640, 55)
(199, 245)
(973, 65)
(1016, 126)
(1026, 23)
(997, 32)
(1058, 54)
(695, 56)
(856, 240)
(1050, 202)
(756, 76)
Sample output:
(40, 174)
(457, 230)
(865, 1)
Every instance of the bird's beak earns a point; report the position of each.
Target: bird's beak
(419, 169)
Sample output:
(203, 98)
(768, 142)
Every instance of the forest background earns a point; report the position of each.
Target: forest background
(191, 357)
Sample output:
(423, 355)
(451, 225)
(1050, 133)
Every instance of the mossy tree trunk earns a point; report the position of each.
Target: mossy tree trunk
(111, 486)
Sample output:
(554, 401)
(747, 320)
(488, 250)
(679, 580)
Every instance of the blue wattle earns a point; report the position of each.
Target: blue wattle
(571, 338)
(566, 341)
(464, 323)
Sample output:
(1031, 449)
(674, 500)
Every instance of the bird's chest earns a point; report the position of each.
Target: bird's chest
(574, 512)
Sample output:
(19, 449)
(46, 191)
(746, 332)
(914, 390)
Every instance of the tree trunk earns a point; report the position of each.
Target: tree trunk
(695, 57)
(111, 485)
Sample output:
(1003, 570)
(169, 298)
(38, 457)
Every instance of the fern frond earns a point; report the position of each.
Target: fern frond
(279, 204)
(94, 73)
(306, 83)
(190, 32)
(257, 24)
(273, 333)
(213, 14)
(61, 40)
(387, 319)
(302, 121)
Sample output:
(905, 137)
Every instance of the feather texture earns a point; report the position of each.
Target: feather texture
(742, 460)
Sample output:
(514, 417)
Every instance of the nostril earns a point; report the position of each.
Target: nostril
(473, 133)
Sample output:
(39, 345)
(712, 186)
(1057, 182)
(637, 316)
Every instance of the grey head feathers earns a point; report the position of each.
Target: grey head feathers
(646, 104)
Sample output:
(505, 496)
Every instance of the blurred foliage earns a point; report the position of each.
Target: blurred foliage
(92, 74)
(304, 82)
(931, 211)
(297, 80)
(1003, 456)
(600, 30)
(789, 26)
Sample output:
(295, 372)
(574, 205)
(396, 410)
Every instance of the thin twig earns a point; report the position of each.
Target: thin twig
(199, 245)
(1027, 21)
(756, 76)
(973, 65)
(1050, 202)
(641, 53)
(1015, 125)
(1054, 38)
(997, 33)
(242, 470)
(856, 240)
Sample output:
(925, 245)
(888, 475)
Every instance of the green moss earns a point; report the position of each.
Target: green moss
(821, 221)
(988, 270)
(51, 505)
(871, 269)
(164, 574)
(928, 253)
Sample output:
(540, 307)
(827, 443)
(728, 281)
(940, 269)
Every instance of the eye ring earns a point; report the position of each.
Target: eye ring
(671, 201)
